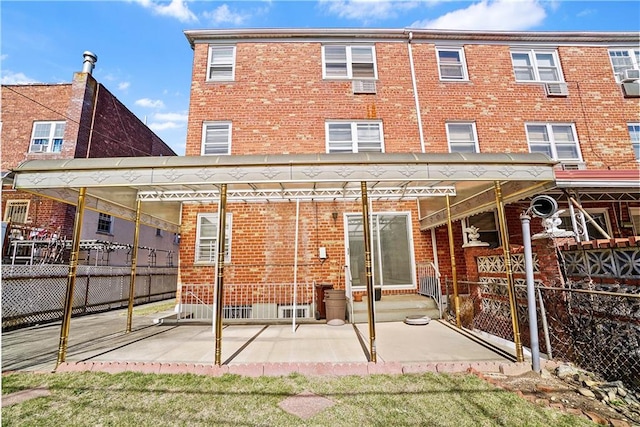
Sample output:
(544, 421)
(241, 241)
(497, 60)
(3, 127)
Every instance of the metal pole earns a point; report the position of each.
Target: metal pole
(222, 220)
(71, 277)
(452, 256)
(367, 266)
(295, 268)
(545, 326)
(502, 218)
(531, 292)
(134, 264)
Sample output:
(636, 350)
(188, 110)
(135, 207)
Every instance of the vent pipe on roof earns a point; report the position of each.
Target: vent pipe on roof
(89, 62)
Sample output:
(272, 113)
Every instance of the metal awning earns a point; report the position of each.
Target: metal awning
(114, 185)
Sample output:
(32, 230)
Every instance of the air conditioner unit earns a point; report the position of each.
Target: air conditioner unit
(556, 89)
(37, 148)
(364, 86)
(631, 90)
(630, 75)
(575, 166)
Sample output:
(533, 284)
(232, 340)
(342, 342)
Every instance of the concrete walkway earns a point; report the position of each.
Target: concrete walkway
(98, 342)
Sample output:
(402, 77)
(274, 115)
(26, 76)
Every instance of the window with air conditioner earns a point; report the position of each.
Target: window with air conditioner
(47, 137)
(624, 62)
(634, 135)
(207, 238)
(216, 138)
(16, 211)
(536, 65)
(451, 64)
(556, 140)
(349, 62)
(221, 63)
(462, 138)
(354, 137)
(105, 223)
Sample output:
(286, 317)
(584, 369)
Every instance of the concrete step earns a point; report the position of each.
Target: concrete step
(395, 308)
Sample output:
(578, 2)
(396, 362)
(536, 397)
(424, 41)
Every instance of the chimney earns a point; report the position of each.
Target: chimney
(89, 62)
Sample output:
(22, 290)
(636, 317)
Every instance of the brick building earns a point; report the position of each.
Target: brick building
(80, 119)
(296, 92)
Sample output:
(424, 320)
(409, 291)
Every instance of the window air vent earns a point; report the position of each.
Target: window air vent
(364, 86)
(631, 90)
(630, 75)
(286, 311)
(556, 89)
(572, 166)
(37, 148)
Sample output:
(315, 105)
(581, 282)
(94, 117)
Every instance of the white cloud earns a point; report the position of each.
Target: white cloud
(155, 126)
(505, 15)
(367, 10)
(586, 12)
(224, 15)
(176, 9)
(150, 103)
(173, 117)
(3, 56)
(11, 78)
(124, 85)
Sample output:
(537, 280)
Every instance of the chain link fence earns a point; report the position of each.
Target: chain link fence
(33, 294)
(597, 327)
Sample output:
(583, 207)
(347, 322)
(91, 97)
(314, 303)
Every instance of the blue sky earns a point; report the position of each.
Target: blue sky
(144, 58)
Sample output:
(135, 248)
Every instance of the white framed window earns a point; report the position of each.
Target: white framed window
(624, 59)
(556, 140)
(216, 138)
(354, 137)
(207, 238)
(451, 63)
(462, 138)
(16, 211)
(47, 137)
(349, 62)
(487, 224)
(222, 63)
(105, 223)
(536, 65)
(634, 135)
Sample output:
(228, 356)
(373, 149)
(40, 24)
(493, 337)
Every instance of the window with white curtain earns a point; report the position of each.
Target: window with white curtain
(216, 138)
(349, 62)
(207, 238)
(556, 140)
(451, 63)
(354, 137)
(536, 65)
(462, 138)
(222, 61)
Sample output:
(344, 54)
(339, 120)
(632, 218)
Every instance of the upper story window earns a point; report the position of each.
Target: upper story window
(16, 211)
(47, 137)
(348, 62)
(222, 61)
(207, 238)
(622, 60)
(216, 138)
(536, 65)
(105, 223)
(556, 140)
(462, 138)
(451, 64)
(634, 134)
(354, 137)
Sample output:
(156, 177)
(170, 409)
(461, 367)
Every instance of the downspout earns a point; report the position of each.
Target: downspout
(415, 92)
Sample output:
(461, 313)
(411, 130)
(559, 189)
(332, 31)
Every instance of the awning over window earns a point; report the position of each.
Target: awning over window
(162, 183)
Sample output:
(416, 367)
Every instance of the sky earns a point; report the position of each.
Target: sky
(145, 60)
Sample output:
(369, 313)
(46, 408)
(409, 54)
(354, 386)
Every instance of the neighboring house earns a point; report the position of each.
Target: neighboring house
(289, 92)
(80, 119)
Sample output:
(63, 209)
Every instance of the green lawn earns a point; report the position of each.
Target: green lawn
(133, 399)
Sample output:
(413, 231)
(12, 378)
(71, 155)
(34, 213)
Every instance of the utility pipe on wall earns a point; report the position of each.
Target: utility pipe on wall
(415, 92)
(531, 292)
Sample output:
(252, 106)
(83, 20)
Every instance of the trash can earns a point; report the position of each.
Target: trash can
(336, 304)
(320, 290)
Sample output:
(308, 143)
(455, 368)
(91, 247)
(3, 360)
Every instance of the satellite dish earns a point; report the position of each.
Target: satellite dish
(544, 206)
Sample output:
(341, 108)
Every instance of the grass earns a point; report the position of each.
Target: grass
(133, 399)
(152, 308)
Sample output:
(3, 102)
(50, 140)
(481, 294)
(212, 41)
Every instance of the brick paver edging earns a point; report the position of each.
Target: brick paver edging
(309, 369)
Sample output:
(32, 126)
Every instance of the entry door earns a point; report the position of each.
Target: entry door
(391, 245)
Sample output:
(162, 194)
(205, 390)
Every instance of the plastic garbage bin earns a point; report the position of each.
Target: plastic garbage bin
(320, 289)
(336, 304)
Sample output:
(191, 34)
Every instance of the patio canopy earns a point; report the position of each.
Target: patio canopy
(114, 185)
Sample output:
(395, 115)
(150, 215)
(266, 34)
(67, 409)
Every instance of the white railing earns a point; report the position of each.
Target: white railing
(249, 302)
(429, 283)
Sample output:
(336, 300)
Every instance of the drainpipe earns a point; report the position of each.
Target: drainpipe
(415, 92)
(531, 292)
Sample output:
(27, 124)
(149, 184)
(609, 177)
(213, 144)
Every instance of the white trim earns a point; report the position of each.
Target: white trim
(354, 135)
(635, 144)
(632, 54)
(552, 142)
(210, 65)
(532, 54)
(205, 124)
(475, 136)
(50, 138)
(213, 216)
(349, 62)
(16, 202)
(463, 64)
